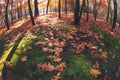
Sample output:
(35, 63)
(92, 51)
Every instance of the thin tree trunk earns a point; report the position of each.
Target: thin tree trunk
(95, 10)
(36, 7)
(11, 11)
(108, 11)
(6, 15)
(47, 6)
(66, 7)
(18, 12)
(31, 14)
(21, 9)
(59, 8)
(76, 12)
(115, 15)
(81, 11)
(87, 10)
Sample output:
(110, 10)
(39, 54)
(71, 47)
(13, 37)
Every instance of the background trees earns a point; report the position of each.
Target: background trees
(106, 9)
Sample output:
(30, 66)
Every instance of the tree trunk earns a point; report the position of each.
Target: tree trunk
(115, 15)
(18, 12)
(59, 8)
(108, 11)
(47, 6)
(11, 11)
(76, 12)
(95, 10)
(6, 16)
(66, 7)
(36, 7)
(87, 10)
(81, 11)
(21, 9)
(31, 14)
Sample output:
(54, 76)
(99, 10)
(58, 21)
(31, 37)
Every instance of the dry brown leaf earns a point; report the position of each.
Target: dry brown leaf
(104, 54)
(95, 72)
(8, 63)
(45, 67)
(60, 67)
(117, 74)
(24, 59)
(54, 58)
(45, 49)
(56, 77)
(119, 69)
(96, 65)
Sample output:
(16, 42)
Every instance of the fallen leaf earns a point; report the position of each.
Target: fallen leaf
(8, 63)
(104, 54)
(96, 65)
(95, 72)
(56, 77)
(24, 59)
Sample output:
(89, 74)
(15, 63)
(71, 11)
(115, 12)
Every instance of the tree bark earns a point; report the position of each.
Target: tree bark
(76, 12)
(115, 15)
(59, 8)
(47, 6)
(81, 11)
(87, 10)
(21, 9)
(6, 16)
(66, 7)
(18, 11)
(36, 7)
(95, 10)
(31, 14)
(108, 11)
(11, 11)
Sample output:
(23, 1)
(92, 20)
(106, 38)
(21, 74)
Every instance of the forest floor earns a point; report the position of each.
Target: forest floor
(55, 49)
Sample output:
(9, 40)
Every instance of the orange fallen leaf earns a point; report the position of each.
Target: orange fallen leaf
(8, 63)
(104, 54)
(96, 65)
(95, 72)
(24, 59)
(57, 77)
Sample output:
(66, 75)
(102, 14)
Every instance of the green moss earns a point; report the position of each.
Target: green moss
(112, 47)
(78, 68)
(62, 27)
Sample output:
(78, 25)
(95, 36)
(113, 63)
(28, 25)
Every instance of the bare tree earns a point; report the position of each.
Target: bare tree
(59, 8)
(30, 12)
(36, 7)
(6, 15)
(115, 14)
(76, 12)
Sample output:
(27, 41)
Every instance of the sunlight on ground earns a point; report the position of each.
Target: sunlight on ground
(19, 23)
(4, 57)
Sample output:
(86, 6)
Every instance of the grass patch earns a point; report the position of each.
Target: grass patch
(112, 47)
(62, 27)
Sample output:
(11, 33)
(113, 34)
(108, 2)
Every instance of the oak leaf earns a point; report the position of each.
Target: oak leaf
(56, 77)
(95, 72)
(24, 59)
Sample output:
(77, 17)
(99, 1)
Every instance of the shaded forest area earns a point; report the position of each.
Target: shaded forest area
(60, 40)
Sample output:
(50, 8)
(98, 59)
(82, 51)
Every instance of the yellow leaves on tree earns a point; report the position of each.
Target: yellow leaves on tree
(95, 72)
